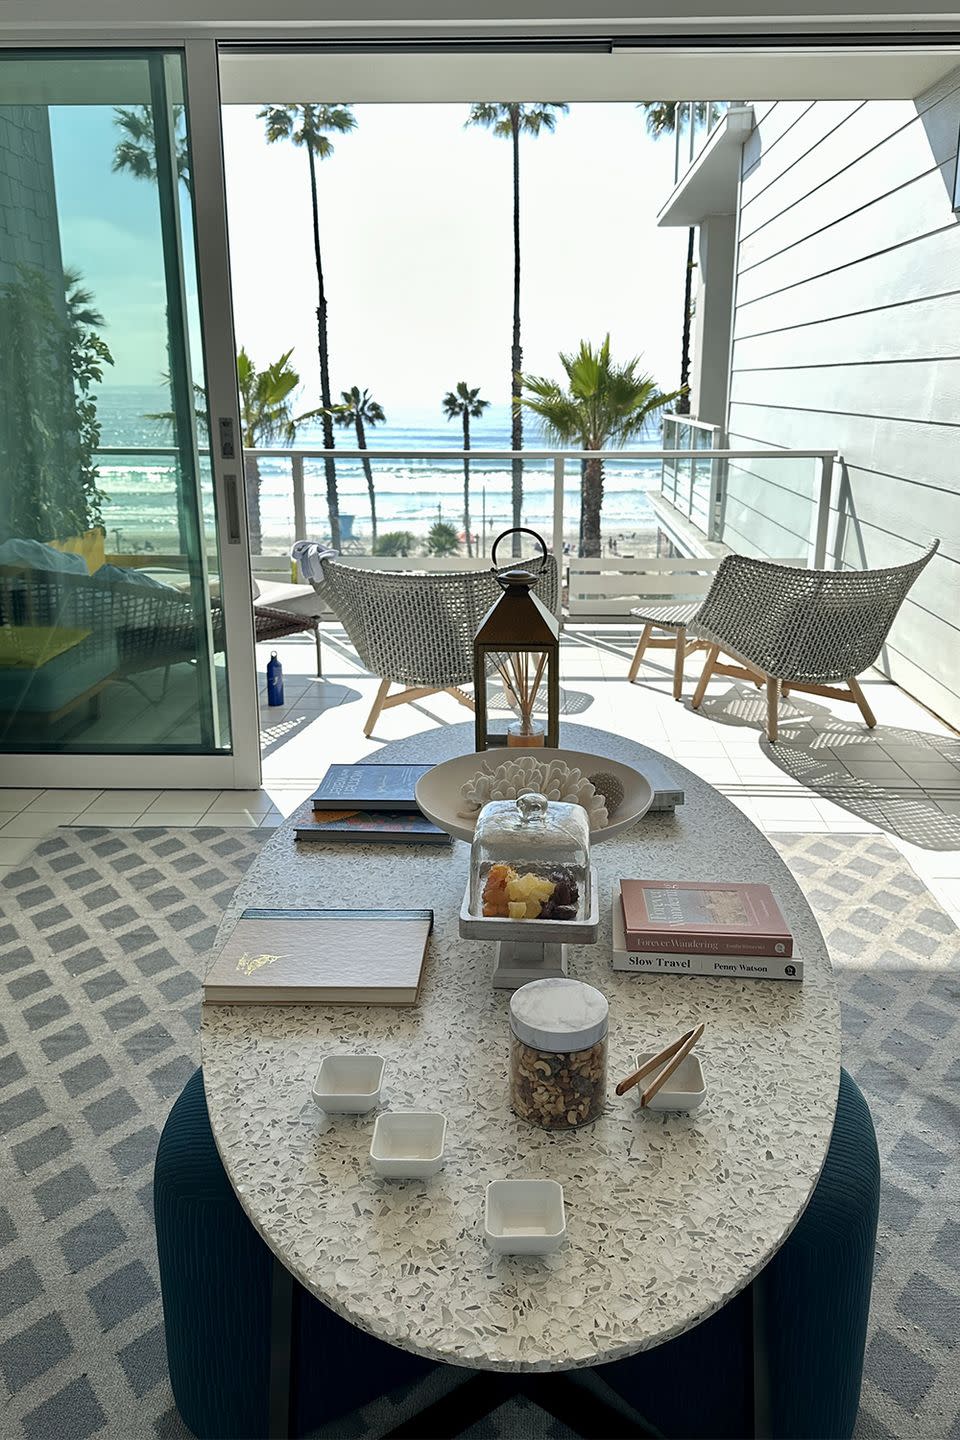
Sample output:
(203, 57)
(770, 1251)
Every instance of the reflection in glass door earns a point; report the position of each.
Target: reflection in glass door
(112, 635)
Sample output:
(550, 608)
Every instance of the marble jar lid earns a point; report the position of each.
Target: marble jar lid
(558, 1015)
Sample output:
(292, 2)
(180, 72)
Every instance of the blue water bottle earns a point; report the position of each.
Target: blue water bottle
(274, 680)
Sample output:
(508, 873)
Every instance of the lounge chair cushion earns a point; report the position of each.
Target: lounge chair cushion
(60, 680)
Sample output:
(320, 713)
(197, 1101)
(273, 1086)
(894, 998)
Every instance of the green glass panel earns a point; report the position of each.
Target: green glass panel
(111, 633)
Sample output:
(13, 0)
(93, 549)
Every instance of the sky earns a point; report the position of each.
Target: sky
(417, 246)
(416, 234)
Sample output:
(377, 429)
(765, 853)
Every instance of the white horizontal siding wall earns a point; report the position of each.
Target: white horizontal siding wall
(847, 336)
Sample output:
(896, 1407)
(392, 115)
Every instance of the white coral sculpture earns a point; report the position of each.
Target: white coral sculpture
(517, 777)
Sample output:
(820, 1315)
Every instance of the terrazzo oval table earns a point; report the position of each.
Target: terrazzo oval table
(668, 1216)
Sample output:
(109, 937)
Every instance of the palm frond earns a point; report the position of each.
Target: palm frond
(308, 125)
(464, 400)
(266, 413)
(501, 116)
(603, 403)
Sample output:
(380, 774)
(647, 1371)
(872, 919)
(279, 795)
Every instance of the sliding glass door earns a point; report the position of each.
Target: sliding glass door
(113, 523)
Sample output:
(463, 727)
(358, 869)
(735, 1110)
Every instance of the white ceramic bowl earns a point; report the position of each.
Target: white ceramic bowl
(408, 1144)
(524, 1217)
(349, 1084)
(438, 791)
(685, 1090)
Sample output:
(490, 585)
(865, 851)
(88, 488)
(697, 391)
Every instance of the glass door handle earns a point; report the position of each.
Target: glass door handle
(231, 492)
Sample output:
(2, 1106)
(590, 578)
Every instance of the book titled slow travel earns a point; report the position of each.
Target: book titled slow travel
(715, 917)
(363, 827)
(369, 787)
(677, 962)
(331, 957)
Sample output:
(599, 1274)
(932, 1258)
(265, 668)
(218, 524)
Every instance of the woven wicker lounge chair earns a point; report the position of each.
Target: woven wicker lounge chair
(807, 630)
(416, 630)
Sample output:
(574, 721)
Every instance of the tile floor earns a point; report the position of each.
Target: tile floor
(828, 772)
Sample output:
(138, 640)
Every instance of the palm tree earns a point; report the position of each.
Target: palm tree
(266, 415)
(662, 117)
(359, 409)
(442, 539)
(467, 405)
(310, 127)
(509, 120)
(82, 313)
(604, 404)
(136, 151)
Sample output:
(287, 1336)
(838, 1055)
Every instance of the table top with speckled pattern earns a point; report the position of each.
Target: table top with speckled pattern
(668, 1216)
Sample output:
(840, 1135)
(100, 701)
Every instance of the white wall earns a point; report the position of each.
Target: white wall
(763, 16)
(847, 336)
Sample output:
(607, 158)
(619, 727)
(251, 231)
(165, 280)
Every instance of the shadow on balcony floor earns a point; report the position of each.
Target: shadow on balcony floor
(906, 782)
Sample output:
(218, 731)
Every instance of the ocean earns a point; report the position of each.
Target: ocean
(141, 510)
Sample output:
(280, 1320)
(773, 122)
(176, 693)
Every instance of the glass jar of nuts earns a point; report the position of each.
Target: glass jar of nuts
(558, 1053)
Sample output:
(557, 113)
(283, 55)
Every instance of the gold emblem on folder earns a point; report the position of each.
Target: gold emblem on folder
(249, 964)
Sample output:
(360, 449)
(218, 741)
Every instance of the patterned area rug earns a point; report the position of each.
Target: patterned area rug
(103, 935)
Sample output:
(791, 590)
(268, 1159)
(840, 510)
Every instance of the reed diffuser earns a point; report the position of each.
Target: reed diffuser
(521, 673)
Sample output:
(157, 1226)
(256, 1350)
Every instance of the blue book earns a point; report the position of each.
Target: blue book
(369, 787)
(365, 827)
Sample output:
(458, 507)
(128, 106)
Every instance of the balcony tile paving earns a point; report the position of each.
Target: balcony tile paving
(828, 772)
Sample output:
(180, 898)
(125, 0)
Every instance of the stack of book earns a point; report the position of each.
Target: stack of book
(686, 927)
(368, 804)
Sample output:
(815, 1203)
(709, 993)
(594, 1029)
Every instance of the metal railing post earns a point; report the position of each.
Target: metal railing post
(559, 474)
(299, 499)
(821, 519)
(713, 499)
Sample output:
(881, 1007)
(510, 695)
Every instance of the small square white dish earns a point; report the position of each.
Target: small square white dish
(408, 1144)
(685, 1090)
(524, 1217)
(349, 1084)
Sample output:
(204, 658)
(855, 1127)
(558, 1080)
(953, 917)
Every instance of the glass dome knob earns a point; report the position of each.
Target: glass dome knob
(532, 807)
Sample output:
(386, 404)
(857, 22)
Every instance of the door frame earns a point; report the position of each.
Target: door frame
(239, 766)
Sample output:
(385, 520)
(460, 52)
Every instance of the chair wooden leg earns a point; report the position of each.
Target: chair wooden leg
(678, 659)
(773, 707)
(638, 653)
(862, 703)
(374, 715)
(712, 652)
(461, 695)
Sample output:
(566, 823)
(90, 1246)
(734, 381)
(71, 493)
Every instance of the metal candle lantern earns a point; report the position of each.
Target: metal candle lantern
(518, 645)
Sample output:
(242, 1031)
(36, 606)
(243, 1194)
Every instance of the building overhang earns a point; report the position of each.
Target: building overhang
(709, 186)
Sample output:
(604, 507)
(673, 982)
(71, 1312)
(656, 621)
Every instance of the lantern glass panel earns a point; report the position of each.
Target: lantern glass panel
(517, 689)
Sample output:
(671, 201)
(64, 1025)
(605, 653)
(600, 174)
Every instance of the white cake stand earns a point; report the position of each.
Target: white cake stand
(530, 949)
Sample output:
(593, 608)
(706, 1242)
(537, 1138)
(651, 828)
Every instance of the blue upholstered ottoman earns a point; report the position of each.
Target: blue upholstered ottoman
(216, 1281)
(807, 1311)
(805, 1316)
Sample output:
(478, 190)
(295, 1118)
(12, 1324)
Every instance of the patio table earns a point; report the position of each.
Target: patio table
(669, 1216)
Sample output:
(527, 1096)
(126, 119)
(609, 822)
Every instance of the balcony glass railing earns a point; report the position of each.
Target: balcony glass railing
(688, 481)
(773, 502)
(696, 120)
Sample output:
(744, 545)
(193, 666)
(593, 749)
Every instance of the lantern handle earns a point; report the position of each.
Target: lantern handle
(520, 530)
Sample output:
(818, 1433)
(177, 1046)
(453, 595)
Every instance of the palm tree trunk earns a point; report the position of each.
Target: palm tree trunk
(251, 475)
(590, 506)
(683, 404)
(516, 354)
(466, 482)
(368, 472)
(333, 502)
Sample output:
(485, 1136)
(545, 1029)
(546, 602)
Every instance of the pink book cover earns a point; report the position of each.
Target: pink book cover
(708, 918)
